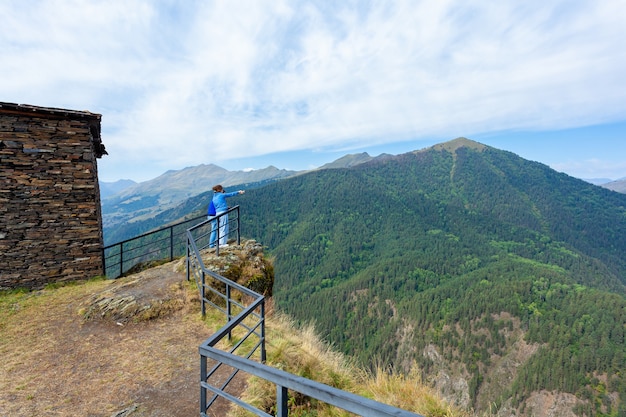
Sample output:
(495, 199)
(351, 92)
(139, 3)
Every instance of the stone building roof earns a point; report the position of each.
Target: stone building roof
(93, 119)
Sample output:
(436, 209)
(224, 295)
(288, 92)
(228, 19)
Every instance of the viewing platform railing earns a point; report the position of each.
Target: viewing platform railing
(164, 244)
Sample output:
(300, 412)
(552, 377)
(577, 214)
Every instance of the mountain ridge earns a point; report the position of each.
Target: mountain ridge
(108, 189)
(461, 251)
(617, 186)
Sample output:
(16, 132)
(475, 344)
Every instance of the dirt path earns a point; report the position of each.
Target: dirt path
(56, 363)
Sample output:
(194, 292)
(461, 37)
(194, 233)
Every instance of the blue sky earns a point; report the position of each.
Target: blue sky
(296, 84)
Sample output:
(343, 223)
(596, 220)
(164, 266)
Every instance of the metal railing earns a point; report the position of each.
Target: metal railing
(164, 244)
(245, 322)
(285, 381)
(247, 326)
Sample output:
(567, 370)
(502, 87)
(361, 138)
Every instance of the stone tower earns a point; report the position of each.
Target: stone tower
(50, 218)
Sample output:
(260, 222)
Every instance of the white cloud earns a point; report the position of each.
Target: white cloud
(183, 83)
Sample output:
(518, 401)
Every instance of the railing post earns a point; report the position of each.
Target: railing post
(203, 295)
(104, 262)
(282, 398)
(228, 309)
(203, 378)
(217, 235)
(171, 243)
(121, 259)
(263, 353)
(238, 226)
(187, 262)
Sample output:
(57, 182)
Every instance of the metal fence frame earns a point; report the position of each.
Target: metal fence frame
(166, 243)
(285, 381)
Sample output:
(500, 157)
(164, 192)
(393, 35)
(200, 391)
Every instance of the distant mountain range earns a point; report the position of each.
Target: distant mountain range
(130, 208)
(141, 201)
(126, 203)
(196, 180)
(618, 185)
(107, 189)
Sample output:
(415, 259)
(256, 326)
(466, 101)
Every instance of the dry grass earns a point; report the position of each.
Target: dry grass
(408, 392)
(301, 351)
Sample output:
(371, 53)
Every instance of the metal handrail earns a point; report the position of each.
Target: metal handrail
(165, 243)
(284, 380)
(255, 312)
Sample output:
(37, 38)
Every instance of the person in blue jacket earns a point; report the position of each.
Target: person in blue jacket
(219, 201)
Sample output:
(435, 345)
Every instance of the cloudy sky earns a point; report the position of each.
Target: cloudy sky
(296, 84)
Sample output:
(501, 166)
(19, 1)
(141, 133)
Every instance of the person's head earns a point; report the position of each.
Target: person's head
(218, 188)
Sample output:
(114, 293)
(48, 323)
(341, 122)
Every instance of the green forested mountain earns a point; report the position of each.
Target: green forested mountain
(475, 264)
(503, 280)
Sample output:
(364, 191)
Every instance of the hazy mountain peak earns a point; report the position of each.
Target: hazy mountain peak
(461, 142)
(618, 185)
(269, 169)
(348, 161)
(111, 188)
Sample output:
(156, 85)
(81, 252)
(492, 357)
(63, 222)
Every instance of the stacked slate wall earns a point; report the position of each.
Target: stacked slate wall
(50, 218)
